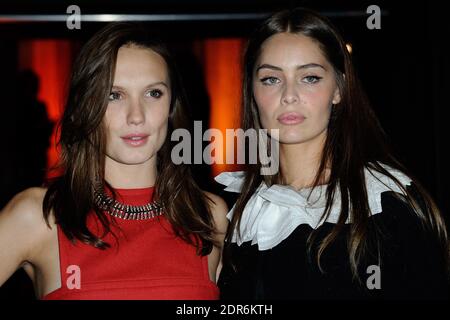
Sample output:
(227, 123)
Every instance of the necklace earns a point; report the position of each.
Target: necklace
(125, 211)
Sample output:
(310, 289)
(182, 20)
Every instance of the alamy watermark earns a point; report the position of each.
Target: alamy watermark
(374, 280)
(374, 20)
(74, 278)
(250, 144)
(73, 20)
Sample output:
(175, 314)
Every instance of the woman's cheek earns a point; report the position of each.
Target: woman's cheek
(316, 97)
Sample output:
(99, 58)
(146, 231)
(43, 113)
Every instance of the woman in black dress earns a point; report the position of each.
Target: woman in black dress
(342, 218)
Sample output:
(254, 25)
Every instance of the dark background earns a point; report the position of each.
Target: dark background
(404, 68)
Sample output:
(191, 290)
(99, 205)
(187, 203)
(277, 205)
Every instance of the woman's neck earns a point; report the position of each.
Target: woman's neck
(126, 176)
(299, 163)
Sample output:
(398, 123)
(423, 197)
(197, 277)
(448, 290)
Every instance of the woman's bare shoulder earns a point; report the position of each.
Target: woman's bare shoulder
(26, 206)
(24, 213)
(24, 233)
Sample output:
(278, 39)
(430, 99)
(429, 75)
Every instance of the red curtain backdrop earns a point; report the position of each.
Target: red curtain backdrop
(51, 60)
(222, 64)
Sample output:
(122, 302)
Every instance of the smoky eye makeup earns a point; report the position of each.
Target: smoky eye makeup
(311, 79)
(269, 80)
(114, 95)
(154, 93)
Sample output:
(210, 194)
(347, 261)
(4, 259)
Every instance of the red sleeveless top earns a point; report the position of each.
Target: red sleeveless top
(146, 262)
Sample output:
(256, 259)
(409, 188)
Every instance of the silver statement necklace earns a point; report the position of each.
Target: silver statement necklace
(125, 211)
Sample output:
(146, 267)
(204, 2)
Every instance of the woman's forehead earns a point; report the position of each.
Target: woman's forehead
(291, 51)
(139, 65)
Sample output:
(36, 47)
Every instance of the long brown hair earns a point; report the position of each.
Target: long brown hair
(355, 140)
(82, 141)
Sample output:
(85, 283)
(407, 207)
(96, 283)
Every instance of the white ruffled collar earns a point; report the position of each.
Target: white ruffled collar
(273, 213)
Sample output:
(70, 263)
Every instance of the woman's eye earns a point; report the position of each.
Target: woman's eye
(156, 93)
(312, 79)
(114, 96)
(270, 81)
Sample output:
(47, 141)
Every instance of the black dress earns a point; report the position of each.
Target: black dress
(410, 263)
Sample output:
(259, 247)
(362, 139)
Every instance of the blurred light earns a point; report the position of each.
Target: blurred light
(222, 65)
(349, 48)
(16, 18)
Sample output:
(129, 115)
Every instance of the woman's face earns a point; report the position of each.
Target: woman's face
(294, 88)
(136, 118)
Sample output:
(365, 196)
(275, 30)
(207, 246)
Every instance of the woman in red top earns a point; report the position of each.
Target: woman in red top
(122, 221)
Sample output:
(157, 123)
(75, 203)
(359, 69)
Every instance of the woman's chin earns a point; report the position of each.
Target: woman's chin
(134, 160)
(291, 139)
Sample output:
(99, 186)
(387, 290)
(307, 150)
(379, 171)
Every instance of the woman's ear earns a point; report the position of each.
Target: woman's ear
(337, 93)
(336, 96)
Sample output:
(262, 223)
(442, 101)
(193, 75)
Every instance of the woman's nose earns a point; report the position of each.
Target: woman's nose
(135, 113)
(290, 94)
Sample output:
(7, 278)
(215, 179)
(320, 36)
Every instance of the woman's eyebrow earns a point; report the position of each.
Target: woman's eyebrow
(147, 86)
(311, 65)
(268, 66)
(303, 66)
(163, 83)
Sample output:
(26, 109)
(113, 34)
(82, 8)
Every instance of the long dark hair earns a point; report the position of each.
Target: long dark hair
(355, 140)
(82, 141)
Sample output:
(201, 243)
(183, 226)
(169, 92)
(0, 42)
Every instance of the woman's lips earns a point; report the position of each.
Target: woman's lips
(291, 118)
(135, 140)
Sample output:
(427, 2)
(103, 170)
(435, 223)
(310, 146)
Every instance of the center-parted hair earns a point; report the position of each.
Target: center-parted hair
(355, 141)
(83, 141)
